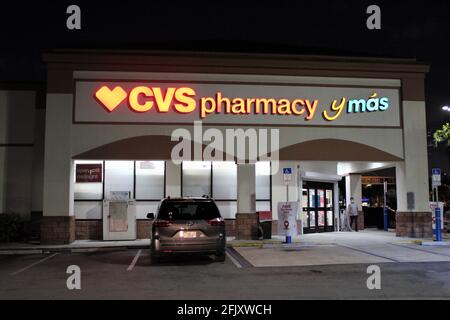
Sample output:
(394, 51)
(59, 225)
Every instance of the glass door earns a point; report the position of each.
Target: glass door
(317, 203)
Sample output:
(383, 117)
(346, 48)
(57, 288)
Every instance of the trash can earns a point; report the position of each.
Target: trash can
(265, 223)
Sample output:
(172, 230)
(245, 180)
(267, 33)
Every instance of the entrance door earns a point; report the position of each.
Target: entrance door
(119, 220)
(317, 200)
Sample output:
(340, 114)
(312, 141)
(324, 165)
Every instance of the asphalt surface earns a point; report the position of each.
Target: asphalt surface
(128, 274)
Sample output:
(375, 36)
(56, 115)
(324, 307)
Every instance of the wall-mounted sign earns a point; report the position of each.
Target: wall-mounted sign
(265, 216)
(229, 103)
(377, 180)
(88, 172)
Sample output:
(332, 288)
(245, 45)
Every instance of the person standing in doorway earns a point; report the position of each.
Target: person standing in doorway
(352, 211)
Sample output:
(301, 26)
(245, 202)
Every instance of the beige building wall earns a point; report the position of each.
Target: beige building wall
(412, 173)
(17, 137)
(58, 164)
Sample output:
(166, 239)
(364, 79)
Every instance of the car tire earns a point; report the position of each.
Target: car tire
(220, 257)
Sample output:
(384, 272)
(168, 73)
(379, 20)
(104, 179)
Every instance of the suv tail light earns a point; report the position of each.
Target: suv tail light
(162, 223)
(216, 222)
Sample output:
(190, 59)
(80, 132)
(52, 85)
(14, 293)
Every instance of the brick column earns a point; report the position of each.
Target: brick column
(413, 224)
(246, 226)
(57, 230)
(246, 218)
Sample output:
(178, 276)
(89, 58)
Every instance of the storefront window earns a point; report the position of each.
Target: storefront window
(119, 177)
(262, 171)
(312, 198)
(196, 178)
(329, 198)
(321, 215)
(304, 198)
(227, 209)
(149, 180)
(321, 198)
(88, 180)
(224, 180)
(330, 218)
(262, 205)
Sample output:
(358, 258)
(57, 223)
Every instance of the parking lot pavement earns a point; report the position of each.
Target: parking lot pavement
(128, 274)
(319, 266)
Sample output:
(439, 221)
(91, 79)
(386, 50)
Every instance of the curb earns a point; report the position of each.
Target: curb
(435, 243)
(25, 251)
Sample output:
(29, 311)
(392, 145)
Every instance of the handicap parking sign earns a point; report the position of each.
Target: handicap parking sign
(287, 174)
(436, 177)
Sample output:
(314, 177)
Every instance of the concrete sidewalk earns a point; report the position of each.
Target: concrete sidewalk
(368, 246)
(365, 236)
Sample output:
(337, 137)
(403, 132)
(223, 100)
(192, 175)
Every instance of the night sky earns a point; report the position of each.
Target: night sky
(417, 29)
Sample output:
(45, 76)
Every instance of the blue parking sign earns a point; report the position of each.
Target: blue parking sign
(436, 171)
(287, 170)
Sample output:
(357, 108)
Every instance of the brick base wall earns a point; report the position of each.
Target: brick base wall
(246, 226)
(230, 228)
(35, 225)
(413, 224)
(93, 229)
(143, 229)
(89, 230)
(57, 230)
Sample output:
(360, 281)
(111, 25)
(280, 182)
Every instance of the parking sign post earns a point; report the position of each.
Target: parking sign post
(287, 176)
(436, 182)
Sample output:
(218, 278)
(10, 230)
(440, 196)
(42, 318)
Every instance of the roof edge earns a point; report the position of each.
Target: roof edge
(152, 57)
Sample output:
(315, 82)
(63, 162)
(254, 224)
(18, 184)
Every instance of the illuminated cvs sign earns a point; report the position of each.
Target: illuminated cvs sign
(231, 103)
(184, 100)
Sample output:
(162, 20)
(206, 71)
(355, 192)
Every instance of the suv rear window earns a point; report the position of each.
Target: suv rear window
(188, 210)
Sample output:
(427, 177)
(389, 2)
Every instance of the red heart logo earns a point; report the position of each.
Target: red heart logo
(110, 99)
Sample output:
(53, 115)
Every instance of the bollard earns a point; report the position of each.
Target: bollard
(438, 224)
(385, 219)
(288, 239)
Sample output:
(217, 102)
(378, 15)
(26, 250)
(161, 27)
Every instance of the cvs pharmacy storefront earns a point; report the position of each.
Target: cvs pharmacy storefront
(126, 129)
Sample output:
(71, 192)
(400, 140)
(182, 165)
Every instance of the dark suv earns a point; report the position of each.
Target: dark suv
(187, 225)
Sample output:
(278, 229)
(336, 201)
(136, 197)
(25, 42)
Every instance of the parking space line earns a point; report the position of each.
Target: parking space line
(421, 250)
(366, 252)
(135, 259)
(244, 263)
(33, 264)
(236, 263)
